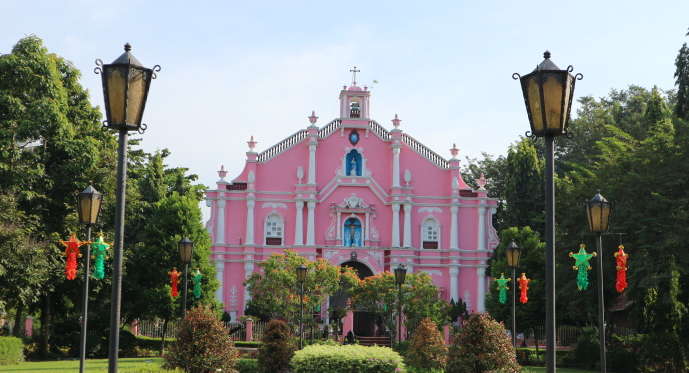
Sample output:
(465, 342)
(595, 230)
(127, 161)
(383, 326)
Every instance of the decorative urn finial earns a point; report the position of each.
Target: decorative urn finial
(313, 118)
(396, 121)
(222, 173)
(252, 144)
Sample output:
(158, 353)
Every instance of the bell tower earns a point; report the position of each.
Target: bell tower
(354, 101)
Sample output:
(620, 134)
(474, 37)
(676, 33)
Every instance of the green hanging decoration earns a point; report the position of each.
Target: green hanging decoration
(582, 266)
(502, 286)
(98, 253)
(196, 279)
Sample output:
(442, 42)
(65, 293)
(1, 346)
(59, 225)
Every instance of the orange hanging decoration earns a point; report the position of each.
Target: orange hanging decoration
(621, 259)
(523, 286)
(174, 279)
(71, 252)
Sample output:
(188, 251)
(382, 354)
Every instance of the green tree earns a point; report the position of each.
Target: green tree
(682, 82)
(276, 293)
(524, 187)
(379, 295)
(531, 314)
(51, 144)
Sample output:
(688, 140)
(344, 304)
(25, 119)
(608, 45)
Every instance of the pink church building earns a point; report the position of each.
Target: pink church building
(356, 194)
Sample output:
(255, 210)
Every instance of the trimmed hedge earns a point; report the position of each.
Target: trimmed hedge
(247, 366)
(346, 359)
(11, 350)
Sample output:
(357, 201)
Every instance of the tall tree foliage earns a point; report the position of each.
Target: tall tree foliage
(524, 187)
(682, 82)
(51, 144)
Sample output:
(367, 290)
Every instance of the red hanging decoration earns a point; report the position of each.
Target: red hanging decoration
(621, 259)
(71, 252)
(174, 280)
(523, 286)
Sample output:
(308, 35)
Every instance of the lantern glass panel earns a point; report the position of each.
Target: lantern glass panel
(301, 273)
(534, 97)
(116, 92)
(186, 250)
(89, 208)
(552, 94)
(137, 92)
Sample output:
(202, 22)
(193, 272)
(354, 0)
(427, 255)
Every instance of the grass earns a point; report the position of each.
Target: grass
(124, 365)
(131, 365)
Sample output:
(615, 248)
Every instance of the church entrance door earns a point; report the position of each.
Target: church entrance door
(363, 321)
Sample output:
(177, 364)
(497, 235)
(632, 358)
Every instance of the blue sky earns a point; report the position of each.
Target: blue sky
(233, 69)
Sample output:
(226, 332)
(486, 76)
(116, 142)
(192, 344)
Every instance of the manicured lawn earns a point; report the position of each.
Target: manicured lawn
(92, 365)
(134, 364)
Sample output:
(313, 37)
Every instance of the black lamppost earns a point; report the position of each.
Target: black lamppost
(513, 254)
(598, 214)
(125, 90)
(89, 203)
(301, 279)
(186, 253)
(548, 93)
(400, 275)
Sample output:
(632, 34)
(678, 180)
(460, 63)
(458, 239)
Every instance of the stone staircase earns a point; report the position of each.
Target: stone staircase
(370, 341)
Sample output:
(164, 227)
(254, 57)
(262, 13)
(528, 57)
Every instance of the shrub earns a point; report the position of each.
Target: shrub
(203, 344)
(427, 347)
(586, 354)
(277, 348)
(11, 350)
(347, 359)
(247, 366)
(482, 346)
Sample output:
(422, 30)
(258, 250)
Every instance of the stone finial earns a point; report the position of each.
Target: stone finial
(313, 118)
(396, 121)
(481, 182)
(252, 144)
(222, 173)
(454, 151)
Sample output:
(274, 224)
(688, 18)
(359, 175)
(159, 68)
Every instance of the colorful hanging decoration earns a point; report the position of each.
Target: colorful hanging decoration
(174, 280)
(502, 286)
(196, 279)
(523, 286)
(621, 267)
(98, 254)
(582, 265)
(71, 252)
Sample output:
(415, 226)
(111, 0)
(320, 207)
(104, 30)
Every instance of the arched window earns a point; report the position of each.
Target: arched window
(274, 229)
(351, 233)
(430, 234)
(354, 110)
(353, 163)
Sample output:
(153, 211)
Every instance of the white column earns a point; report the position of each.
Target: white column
(395, 225)
(481, 228)
(310, 228)
(454, 272)
(312, 164)
(250, 221)
(407, 225)
(367, 234)
(248, 270)
(220, 229)
(339, 226)
(299, 226)
(481, 296)
(396, 166)
(219, 269)
(453, 230)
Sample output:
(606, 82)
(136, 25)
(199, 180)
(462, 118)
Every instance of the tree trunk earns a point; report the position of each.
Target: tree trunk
(535, 337)
(45, 328)
(162, 340)
(18, 320)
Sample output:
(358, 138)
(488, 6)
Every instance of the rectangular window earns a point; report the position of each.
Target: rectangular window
(430, 245)
(276, 241)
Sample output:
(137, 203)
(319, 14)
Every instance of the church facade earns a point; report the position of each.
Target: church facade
(357, 194)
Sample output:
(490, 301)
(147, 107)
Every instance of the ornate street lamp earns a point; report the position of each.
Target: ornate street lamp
(598, 211)
(88, 205)
(186, 253)
(125, 90)
(301, 279)
(548, 93)
(400, 275)
(513, 252)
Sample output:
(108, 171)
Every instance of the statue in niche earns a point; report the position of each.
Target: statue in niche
(352, 171)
